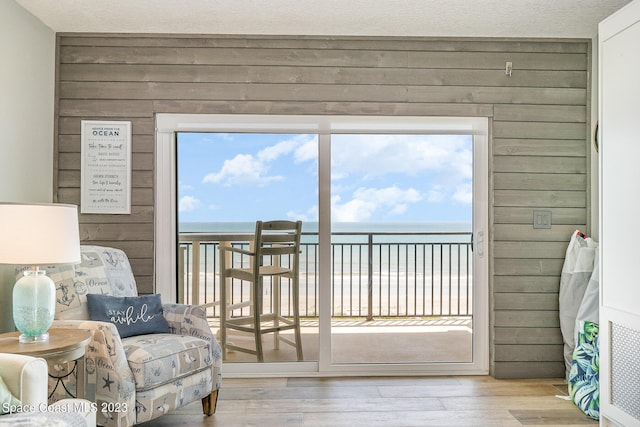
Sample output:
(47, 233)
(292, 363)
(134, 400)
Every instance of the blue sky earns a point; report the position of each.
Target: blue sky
(226, 177)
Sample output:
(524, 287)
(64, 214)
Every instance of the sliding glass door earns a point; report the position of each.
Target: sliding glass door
(401, 222)
(227, 182)
(393, 273)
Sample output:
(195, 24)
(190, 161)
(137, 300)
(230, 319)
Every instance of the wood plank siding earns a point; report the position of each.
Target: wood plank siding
(538, 152)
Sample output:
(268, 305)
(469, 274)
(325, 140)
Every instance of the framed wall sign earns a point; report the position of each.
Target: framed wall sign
(105, 185)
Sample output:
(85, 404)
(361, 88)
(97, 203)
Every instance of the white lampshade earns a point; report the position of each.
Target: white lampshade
(39, 234)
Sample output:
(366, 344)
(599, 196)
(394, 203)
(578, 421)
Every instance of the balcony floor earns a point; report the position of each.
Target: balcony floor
(401, 340)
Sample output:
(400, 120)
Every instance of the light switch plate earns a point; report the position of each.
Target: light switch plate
(541, 219)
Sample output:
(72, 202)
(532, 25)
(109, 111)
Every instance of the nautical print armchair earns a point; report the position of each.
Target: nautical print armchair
(141, 377)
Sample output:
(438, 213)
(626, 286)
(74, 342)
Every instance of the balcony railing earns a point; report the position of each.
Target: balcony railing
(374, 274)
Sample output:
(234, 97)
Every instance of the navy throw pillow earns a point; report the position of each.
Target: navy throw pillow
(131, 315)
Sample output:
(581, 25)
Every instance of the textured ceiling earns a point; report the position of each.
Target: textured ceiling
(433, 18)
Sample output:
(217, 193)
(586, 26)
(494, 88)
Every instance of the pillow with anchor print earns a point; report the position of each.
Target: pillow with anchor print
(132, 315)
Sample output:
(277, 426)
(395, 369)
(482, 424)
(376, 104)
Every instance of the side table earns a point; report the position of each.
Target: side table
(64, 345)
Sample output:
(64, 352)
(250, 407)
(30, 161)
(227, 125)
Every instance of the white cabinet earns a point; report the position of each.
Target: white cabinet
(619, 110)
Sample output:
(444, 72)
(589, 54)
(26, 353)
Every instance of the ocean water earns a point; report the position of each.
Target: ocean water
(396, 247)
(354, 231)
(311, 226)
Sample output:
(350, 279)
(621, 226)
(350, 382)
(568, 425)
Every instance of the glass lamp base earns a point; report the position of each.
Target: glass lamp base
(34, 305)
(29, 339)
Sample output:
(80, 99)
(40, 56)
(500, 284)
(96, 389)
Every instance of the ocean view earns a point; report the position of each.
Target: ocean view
(346, 228)
(312, 226)
(412, 270)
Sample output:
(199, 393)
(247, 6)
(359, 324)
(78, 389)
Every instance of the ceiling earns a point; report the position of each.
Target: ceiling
(429, 18)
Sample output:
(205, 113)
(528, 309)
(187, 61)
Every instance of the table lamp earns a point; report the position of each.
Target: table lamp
(37, 235)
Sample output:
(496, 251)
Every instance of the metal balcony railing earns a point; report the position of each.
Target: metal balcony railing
(374, 274)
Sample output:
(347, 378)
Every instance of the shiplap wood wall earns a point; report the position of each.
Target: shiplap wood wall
(538, 153)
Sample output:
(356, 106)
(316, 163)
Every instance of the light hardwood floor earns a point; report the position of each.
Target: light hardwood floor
(385, 401)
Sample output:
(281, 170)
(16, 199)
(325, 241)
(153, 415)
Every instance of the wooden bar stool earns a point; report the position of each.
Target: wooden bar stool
(275, 253)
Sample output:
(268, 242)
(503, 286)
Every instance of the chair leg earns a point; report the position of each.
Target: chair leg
(257, 313)
(209, 403)
(296, 318)
(298, 341)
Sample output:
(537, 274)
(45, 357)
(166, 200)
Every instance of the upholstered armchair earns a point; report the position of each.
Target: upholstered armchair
(141, 377)
(25, 377)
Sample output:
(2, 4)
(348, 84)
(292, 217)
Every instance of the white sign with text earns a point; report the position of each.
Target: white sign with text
(106, 167)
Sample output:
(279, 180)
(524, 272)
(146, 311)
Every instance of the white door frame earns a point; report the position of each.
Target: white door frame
(166, 234)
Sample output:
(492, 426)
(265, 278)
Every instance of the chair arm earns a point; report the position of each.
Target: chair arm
(237, 250)
(184, 319)
(26, 378)
(110, 382)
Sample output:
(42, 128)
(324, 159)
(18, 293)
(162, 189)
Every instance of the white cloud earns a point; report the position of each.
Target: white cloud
(188, 204)
(243, 169)
(184, 187)
(353, 210)
(367, 201)
(278, 150)
(444, 163)
(373, 155)
(435, 194)
(248, 169)
(460, 193)
(464, 194)
(310, 215)
(308, 151)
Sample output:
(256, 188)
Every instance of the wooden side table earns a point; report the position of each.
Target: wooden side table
(64, 345)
